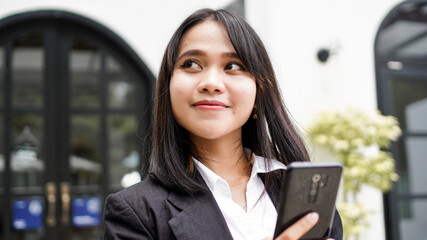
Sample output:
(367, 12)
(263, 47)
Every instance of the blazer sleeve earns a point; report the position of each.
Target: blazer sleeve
(121, 221)
(336, 230)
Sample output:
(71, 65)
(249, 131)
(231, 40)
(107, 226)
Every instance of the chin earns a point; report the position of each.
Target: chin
(211, 135)
(214, 133)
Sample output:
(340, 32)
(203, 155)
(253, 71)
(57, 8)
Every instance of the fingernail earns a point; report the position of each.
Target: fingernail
(313, 217)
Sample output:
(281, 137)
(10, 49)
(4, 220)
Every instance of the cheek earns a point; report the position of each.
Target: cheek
(246, 96)
(179, 96)
(174, 93)
(174, 89)
(180, 86)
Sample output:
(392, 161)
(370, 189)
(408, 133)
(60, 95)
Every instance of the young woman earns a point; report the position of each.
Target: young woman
(222, 139)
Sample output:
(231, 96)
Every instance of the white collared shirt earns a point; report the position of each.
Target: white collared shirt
(260, 219)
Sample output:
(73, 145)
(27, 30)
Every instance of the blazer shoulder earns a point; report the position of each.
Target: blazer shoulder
(139, 210)
(145, 190)
(147, 185)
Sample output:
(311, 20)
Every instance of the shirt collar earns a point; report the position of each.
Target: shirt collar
(264, 165)
(260, 165)
(208, 175)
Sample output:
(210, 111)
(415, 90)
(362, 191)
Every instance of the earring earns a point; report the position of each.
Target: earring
(255, 116)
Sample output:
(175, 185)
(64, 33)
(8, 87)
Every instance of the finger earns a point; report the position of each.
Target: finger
(299, 228)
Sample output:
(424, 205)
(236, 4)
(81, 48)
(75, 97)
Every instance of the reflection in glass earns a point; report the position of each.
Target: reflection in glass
(413, 219)
(2, 159)
(123, 154)
(408, 98)
(27, 138)
(403, 38)
(27, 71)
(411, 152)
(121, 87)
(85, 150)
(85, 68)
(416, 152)
(2, 213)
(1, 76)
(399, 153)
(416, 115)
(2, 94)
(91, 233)
(417, 48)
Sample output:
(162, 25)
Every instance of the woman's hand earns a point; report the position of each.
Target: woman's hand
(299, 228)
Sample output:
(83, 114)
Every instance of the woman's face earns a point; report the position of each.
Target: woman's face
(212, 94)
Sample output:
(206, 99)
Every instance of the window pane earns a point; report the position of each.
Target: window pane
(2, 94)
(2, 214)
(403, 38)
(122, 88)
(27, 71)
(408, 99)
(413, 219)
(85, 150)
(2, 159)
(85, 68)
(123, 150)
(26, 159)
(1, 76)
(412, 152)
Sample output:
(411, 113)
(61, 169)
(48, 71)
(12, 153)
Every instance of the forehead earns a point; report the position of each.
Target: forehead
(207, 35)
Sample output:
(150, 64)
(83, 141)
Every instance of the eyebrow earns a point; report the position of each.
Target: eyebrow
(196, 52)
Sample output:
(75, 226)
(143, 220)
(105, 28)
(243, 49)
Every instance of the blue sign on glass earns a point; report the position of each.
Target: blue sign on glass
(86, 211)
(27, 214)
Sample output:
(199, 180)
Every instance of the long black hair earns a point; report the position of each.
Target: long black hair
(271, 135)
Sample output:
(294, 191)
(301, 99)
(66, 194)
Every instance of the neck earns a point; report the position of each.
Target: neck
(226, 156)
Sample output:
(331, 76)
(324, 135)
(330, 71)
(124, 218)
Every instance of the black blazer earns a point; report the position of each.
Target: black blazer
(149, 211)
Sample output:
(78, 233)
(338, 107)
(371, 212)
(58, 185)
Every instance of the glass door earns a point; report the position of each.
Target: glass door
(2, 158)
(401, 71)
(103, 145)
(408, 102)
(71, 124)
(25, 109)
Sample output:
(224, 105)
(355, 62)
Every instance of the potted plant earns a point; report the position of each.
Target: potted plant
(359, 140)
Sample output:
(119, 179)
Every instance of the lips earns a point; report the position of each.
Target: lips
(209, 105)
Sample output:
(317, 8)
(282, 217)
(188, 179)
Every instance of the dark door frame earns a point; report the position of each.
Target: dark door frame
(412, 69)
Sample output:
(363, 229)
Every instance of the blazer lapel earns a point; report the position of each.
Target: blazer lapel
(199, 218)
(274, 193)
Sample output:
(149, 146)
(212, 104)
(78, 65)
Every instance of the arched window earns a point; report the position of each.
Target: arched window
(75, 106)
(401, 69)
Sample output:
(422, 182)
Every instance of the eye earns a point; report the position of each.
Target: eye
(191, 64)
(234, 66)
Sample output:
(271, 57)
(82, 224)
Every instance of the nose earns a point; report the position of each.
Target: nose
(211, 82)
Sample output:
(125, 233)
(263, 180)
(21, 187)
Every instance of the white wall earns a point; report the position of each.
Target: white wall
(294, 31)
(145, 25)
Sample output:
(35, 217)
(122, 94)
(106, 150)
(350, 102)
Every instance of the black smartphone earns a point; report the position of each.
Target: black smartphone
(309, 187)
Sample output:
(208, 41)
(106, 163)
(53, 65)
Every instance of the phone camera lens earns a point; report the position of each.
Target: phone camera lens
(316, 178)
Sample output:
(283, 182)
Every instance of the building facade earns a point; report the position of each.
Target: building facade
(76, 90)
